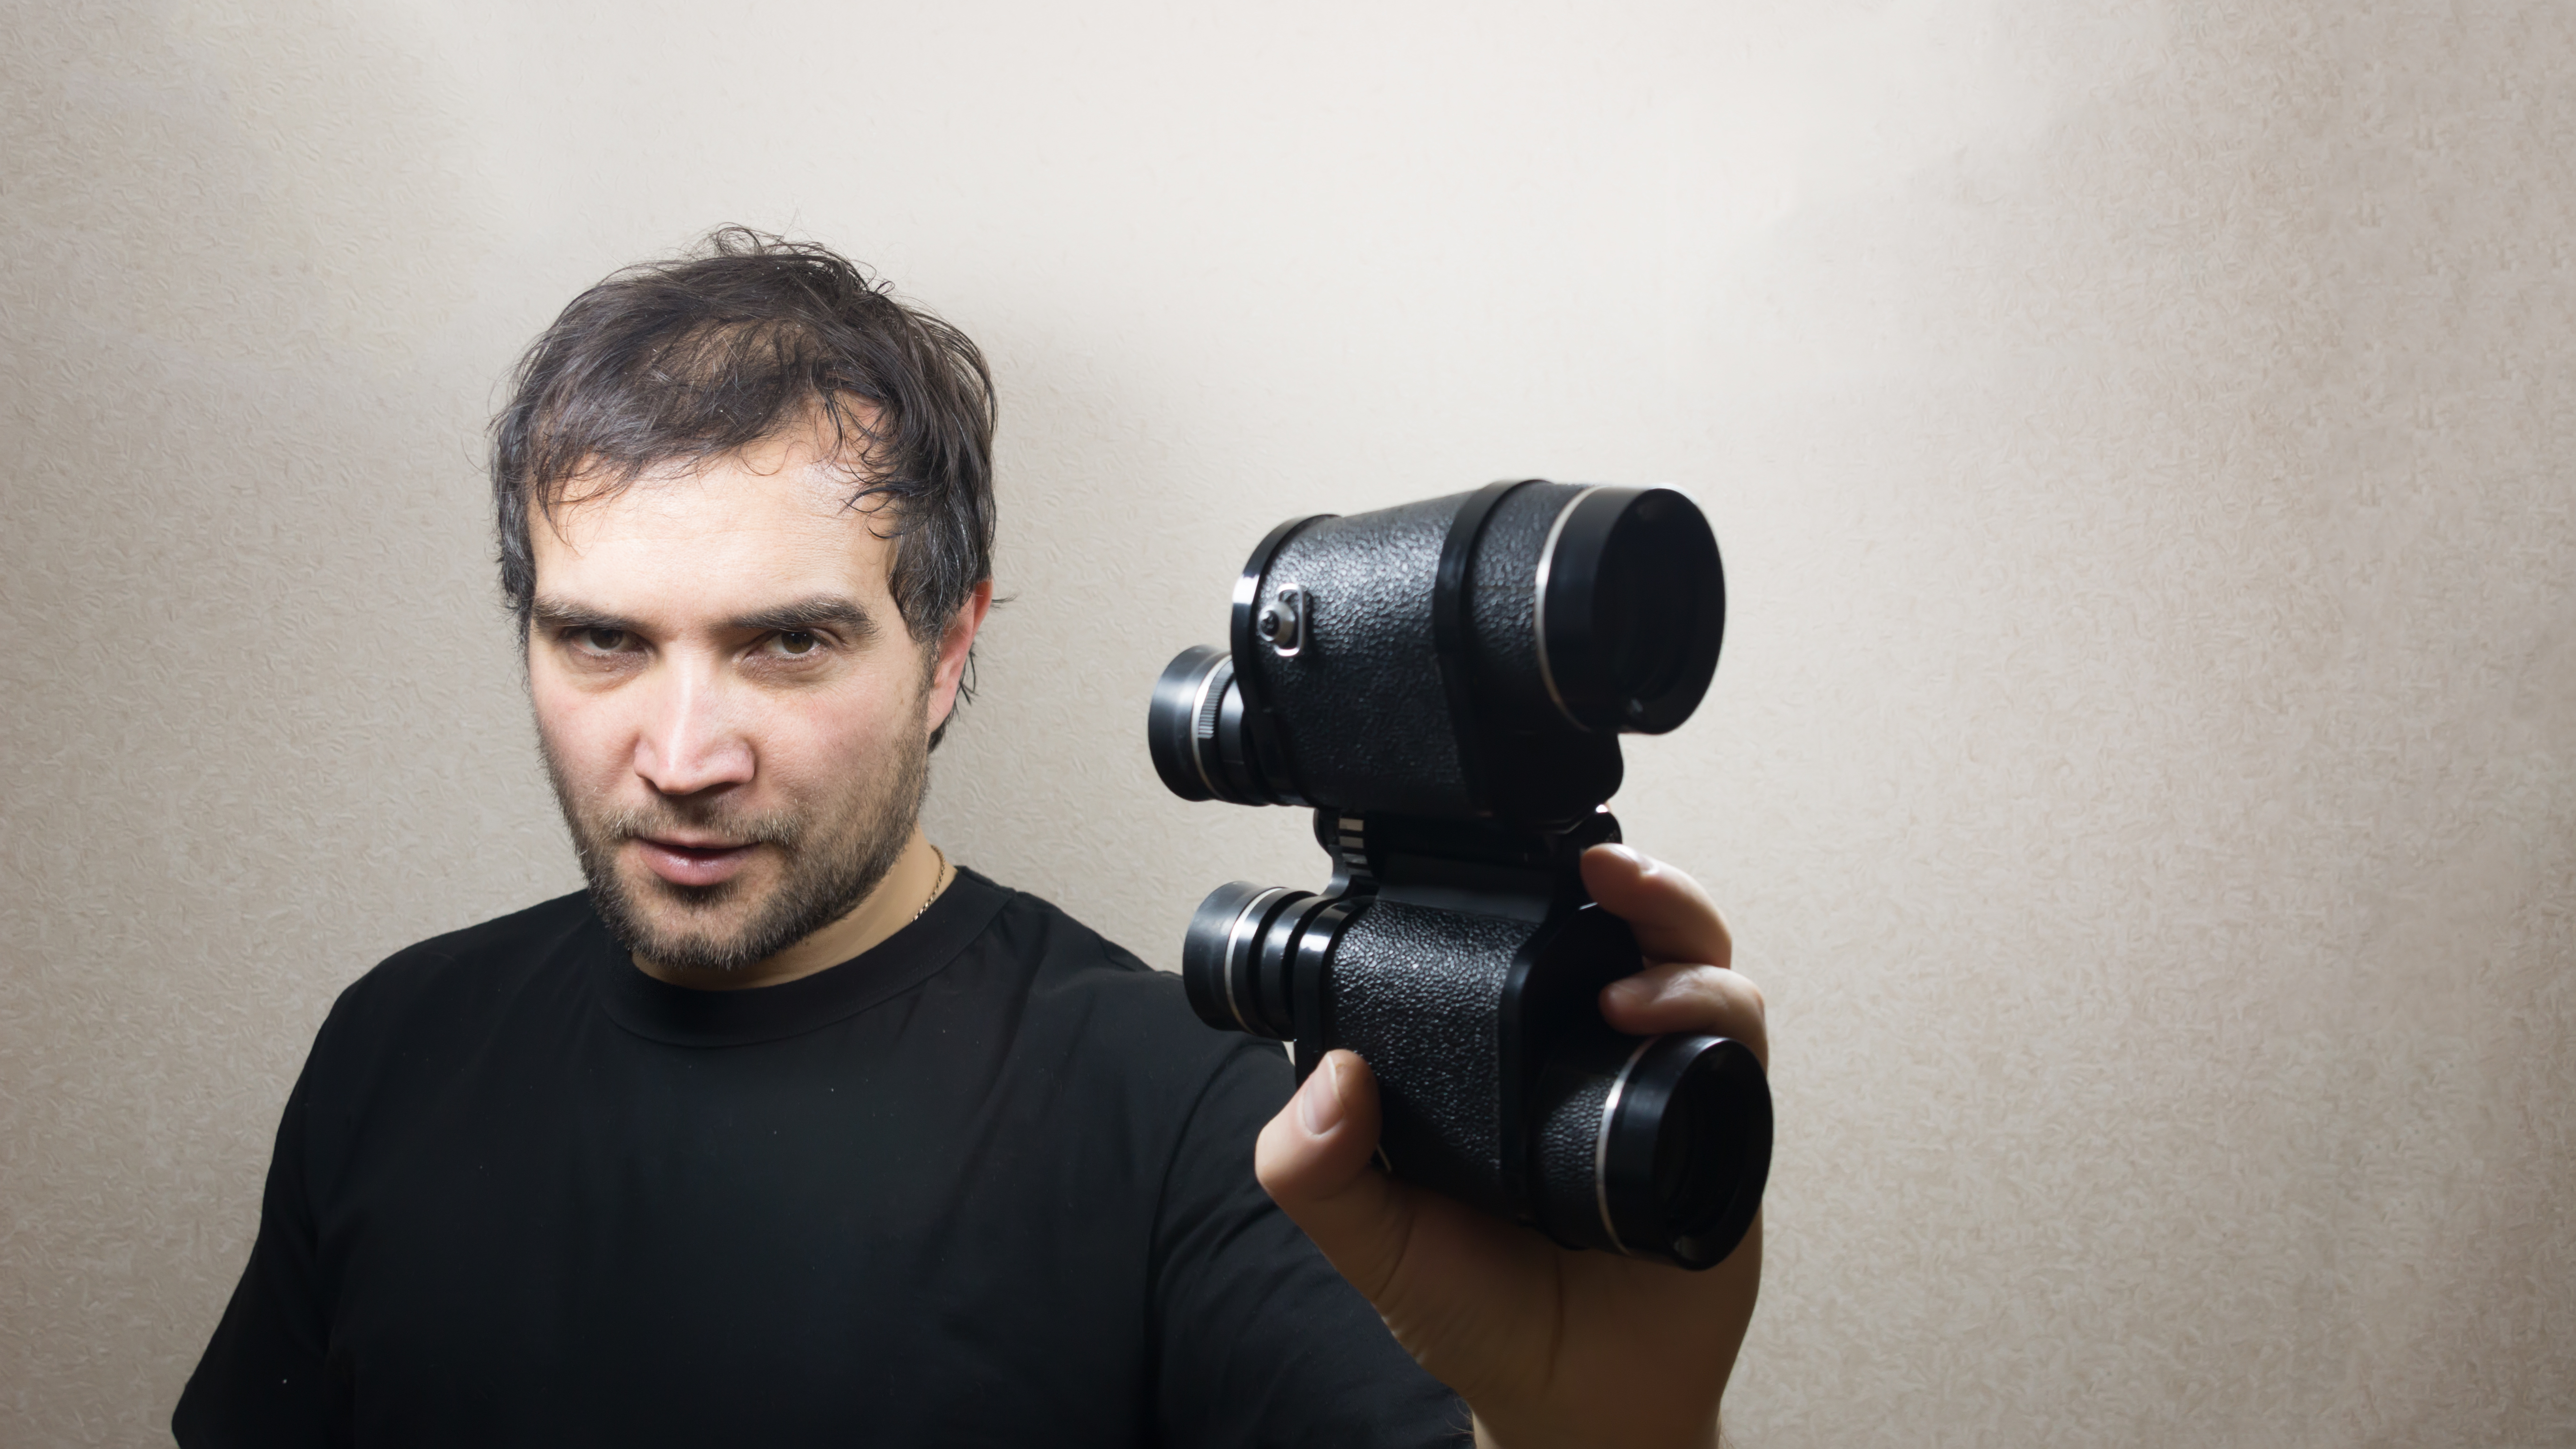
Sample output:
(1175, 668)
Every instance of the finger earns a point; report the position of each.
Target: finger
(1691, 998)
(1313, 1160)
(1674, 919)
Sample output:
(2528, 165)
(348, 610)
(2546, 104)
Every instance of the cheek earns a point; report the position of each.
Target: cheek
(831, 739)
(836, 743)
(583, 734)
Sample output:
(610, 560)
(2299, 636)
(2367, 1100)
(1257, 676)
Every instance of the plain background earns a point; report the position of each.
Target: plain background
(2143, 769)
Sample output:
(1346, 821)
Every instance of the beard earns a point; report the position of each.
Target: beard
(835, 851)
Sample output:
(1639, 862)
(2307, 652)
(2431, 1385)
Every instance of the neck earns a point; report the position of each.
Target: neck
(891, 906)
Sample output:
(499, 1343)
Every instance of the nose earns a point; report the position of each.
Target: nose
(689, 743)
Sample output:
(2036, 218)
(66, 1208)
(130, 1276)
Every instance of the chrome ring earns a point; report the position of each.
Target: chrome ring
(1601, 1144)
(1234, 949)
(1538, 605)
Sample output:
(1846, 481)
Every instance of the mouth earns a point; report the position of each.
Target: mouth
(693, 864)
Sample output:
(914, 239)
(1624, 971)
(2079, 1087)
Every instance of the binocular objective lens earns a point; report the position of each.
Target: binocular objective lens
(1644, 613)
(1686, 1196)
(1632, 609)
(1661, 1155)
(1686, 1150)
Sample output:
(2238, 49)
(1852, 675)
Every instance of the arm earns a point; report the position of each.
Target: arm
(262, 1381)
(1257, 1340)
(1549, 1346)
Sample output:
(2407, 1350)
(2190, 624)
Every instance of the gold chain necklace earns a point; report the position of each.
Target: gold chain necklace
(938, 882)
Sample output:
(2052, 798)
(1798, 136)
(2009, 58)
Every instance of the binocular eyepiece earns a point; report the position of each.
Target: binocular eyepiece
(1445, 683)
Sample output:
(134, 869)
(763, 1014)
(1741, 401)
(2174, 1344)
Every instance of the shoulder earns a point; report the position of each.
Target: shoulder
(429, 1016)
(1068, 961)
(549, 928)
(1128, 1017)
(449, 975)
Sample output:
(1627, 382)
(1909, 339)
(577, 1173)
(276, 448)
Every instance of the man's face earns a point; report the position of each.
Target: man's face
(734, 716)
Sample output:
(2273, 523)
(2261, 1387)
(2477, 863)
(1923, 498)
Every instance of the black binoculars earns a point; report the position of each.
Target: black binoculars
(1444, 684)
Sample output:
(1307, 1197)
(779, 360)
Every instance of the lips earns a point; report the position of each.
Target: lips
(693, 865)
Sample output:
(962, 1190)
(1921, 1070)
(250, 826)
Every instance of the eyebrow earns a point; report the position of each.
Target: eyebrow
(822, 610)
(818, 611)
(564, 614)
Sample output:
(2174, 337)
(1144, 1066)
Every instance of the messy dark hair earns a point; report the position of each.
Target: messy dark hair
(689, 360)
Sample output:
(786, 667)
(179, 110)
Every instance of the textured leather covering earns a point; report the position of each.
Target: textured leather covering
(1566, 1135)
(1502, 604)
(1361, 705)
(1414, 992)
(1535, 763)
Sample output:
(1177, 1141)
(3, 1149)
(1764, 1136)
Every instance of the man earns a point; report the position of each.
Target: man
(791, 1130)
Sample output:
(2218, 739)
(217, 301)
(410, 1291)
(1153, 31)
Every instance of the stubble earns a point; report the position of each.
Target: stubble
(834, 852)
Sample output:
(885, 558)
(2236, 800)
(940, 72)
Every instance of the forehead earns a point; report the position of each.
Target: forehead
(772, 523)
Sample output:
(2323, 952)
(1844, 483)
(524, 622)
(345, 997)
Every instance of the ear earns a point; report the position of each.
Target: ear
(954, 642)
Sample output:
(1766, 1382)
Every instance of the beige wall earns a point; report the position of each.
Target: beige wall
(2143, 772)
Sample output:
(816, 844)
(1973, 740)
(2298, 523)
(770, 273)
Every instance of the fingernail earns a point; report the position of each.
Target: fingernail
(1633, 991)
(1319, 1102)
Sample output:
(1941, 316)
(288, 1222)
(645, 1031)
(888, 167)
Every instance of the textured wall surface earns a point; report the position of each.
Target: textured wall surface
(2143, 772)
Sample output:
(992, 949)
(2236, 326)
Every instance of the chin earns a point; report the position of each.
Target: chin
(686, 924)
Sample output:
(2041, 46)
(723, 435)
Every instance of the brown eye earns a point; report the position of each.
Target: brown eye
(796, 642)
(603, 641)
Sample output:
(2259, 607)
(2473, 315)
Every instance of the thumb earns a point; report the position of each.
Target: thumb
(1313, 1160)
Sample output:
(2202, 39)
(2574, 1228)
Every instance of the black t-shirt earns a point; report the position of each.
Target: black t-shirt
(989, 1183)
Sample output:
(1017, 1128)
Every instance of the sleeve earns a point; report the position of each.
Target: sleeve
(263, 1379)
(1258, 1340)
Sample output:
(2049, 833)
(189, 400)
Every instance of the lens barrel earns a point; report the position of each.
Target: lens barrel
(1246, 947)
(1462, 657)
(1202, 744)
(1662, 1154)
(1631, 609)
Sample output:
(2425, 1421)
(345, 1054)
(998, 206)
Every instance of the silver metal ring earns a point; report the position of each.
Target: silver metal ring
(1538, 606)
(1601, 1144)
(1234, 941)
(1198, 711)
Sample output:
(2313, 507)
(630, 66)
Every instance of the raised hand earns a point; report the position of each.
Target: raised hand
(1548, 1346)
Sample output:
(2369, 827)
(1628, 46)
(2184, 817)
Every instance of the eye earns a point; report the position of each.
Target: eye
(600, 641)
(794, 643)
